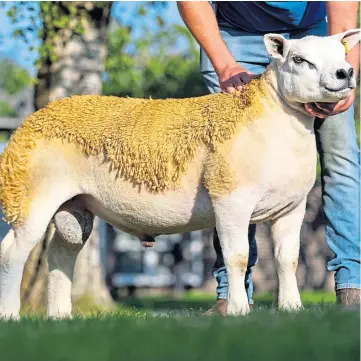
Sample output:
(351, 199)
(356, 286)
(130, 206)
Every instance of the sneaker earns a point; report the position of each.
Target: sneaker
(220, 308)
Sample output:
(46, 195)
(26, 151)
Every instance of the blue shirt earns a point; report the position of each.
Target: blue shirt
(270, 16)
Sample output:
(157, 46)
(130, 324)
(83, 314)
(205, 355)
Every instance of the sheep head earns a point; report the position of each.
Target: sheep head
(313, 69)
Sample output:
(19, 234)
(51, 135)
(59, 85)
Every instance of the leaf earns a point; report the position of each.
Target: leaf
(18, 32)
(61, 22)
(142, 11)
(160, 21)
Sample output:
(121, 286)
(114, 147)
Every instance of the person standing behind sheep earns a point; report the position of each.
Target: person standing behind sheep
(232, 52)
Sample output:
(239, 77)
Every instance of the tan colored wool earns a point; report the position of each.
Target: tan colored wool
(148, 142)
(219, 178)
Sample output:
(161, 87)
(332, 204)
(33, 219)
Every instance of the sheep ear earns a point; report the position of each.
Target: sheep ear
(349, 38)
(276, 45)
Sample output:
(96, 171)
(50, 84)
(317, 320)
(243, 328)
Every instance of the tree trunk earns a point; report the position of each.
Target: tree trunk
(78, 67)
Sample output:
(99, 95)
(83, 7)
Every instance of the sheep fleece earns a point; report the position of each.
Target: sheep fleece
(147, 142)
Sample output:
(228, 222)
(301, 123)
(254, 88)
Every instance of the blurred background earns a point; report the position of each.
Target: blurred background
(50, 50)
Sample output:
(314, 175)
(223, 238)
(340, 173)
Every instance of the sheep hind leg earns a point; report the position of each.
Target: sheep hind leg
(15, 249)
(73, 227)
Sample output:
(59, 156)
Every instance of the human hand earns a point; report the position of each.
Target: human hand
(324, 110)
(233, 77)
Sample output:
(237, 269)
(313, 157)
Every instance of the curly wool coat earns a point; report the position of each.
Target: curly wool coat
(147, 142)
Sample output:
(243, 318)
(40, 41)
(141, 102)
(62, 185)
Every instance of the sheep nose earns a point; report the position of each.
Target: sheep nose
(343, 74)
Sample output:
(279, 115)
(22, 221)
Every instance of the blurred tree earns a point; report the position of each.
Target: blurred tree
(13, 78)
(139, 68)
(6, 110)
(73, 50)
(71, 60)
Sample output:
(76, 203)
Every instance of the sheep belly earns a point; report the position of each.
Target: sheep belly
(139, 214)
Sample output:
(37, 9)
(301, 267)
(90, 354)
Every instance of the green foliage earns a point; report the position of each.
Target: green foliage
(13, 78)
(6, 110)
(147, 66)
(47, 18)
(72, 17)
(152, 66)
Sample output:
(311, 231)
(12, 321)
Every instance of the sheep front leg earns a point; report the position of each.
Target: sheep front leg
(232, 221)
(286, 237)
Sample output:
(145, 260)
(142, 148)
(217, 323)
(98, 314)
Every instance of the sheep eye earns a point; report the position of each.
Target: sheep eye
(298, 59)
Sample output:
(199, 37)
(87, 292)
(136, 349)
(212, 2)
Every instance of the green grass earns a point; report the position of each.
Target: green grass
(321, 332)
(318, 333)
(201, 301)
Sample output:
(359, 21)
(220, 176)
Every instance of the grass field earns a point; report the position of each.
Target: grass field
(163, 329)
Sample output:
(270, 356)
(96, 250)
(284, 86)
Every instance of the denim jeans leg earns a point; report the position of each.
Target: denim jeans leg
(340, 171)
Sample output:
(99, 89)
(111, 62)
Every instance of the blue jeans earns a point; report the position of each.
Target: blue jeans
(340, 169)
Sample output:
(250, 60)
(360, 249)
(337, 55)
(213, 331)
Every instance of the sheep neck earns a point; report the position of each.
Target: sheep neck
(299, 118)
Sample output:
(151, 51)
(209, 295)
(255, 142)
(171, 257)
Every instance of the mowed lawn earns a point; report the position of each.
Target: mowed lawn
(161, 331)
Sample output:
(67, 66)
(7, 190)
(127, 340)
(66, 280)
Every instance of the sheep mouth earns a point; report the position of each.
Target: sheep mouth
(338, 90)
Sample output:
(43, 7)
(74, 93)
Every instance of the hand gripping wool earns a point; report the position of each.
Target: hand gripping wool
(147, 142)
